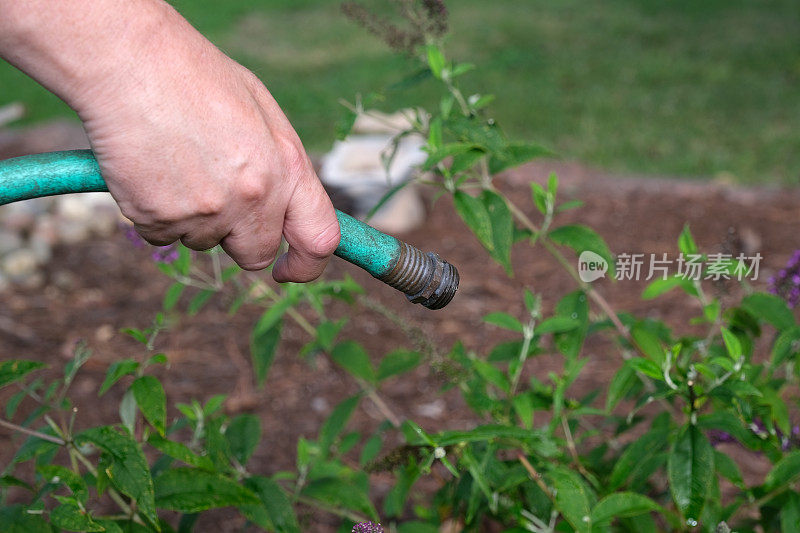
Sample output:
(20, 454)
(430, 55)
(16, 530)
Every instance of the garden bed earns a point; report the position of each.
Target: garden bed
(94, 289)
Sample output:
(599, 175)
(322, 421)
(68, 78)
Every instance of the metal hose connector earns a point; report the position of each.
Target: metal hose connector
(425, 278)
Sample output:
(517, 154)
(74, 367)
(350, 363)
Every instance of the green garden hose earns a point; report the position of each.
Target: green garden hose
(425, 278)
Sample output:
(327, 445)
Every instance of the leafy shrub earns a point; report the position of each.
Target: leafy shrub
(642, 455)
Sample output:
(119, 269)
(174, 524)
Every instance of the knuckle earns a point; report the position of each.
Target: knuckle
(252, 188)
(208, 205)
(294, 157)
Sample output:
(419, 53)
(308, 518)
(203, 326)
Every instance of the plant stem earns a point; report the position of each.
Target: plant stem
(536, 476)
(344, 513)
(32, 433)
(112, 493)
(573, 451)
(372, 394)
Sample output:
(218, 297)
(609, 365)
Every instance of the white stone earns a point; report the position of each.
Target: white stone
(404, 211)
(20, 264)
(355, 167)
(377, 122)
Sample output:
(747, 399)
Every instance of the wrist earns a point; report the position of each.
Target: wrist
(88, 53)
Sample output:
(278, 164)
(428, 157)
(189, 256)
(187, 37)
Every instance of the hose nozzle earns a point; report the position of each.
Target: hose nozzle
(425, 278)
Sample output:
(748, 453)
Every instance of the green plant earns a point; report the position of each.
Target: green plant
(641, 455)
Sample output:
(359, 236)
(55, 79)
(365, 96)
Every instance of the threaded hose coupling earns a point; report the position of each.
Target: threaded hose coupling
(425, 278)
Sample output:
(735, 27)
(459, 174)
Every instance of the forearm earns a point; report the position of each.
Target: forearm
(82, 50)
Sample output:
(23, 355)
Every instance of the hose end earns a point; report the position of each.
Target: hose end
(425, 278)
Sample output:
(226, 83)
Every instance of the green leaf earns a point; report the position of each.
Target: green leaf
(15, 400)
(635, 455)
(16, 519)
(126, 466)
(581, 238)
(690, 469)
(179, 451)
(769, 308)
(784, 471)
(732, 344)
(263, 347)
(503, 320)
(344, 125)
(474, 214)
(441, 152)
(491, 374)
(152, 401)
(648, 342)
(515, 154)
(337, 492)
(184, 261)
(728, 468)
(660, 286)
(12, 481)
(436, 60)
(127, 410)
(370, 450)
(80, 357)
(198, 301)
(523, 405)
(622, 382)
(190, 490)
(15, 369)
(337, 421)
(466, 160)
(540, 197)
(790, 513)
(34, 446)
(275, 511)
(780, 413)
(622, 505)
(557, 324)
(243, 434)
(351, 356)
(502, 228)
(729, 423)
(686, 242)
(398, 362)
(646, 367)
(71, 518)
(573, 498)
(58, 474)
(172, 295)
(786, 346)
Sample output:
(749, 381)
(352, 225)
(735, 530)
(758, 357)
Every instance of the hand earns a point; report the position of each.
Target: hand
(194, 148)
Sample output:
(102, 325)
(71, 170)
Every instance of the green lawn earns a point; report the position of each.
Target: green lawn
(672, 87)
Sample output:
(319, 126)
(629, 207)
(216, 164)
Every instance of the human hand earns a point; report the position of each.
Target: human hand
(194, 148)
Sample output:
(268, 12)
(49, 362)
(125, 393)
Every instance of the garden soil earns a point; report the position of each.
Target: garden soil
(95, 289)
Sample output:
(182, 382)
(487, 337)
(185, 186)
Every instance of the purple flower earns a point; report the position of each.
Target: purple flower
(166, 254)
(367, 527)
(717, 436)
(786, 283)
(133, 237)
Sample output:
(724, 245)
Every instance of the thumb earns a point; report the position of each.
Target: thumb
(311, 229)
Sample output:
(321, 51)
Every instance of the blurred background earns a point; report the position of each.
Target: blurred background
(675, 88)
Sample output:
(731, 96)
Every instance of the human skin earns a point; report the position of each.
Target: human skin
(191, 144)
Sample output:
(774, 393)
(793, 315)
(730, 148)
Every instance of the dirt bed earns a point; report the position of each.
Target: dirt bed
(96, 288)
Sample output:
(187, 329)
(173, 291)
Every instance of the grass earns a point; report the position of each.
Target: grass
(683, 88)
